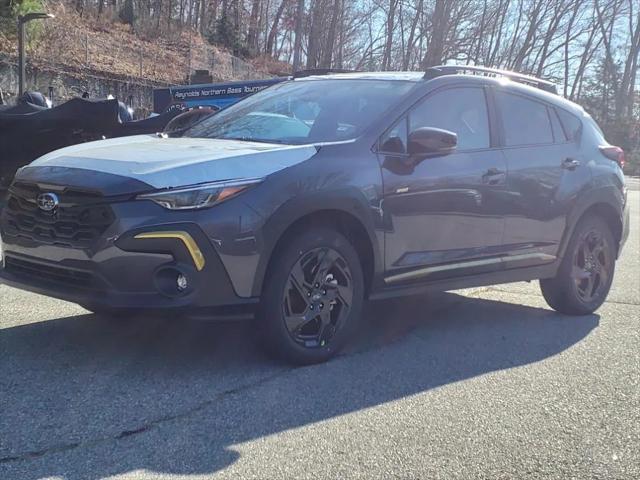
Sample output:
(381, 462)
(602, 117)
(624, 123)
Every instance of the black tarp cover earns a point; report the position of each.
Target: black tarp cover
(28, 131)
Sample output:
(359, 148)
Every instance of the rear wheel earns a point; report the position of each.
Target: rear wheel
(313, 296)
(586, 272)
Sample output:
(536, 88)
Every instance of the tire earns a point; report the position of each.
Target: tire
(313, 296)
(586, 272)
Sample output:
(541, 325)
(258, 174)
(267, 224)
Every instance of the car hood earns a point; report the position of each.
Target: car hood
(165, 162)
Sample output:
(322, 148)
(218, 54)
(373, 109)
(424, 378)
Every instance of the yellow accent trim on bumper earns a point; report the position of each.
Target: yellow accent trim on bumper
(189, 242)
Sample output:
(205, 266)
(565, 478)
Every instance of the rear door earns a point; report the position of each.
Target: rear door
(544, 172)
(441, 214)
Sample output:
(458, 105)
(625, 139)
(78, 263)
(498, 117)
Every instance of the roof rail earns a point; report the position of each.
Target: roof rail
(320, 71)
(440, 70)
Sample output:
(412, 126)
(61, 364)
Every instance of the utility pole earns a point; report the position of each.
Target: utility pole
(22, 21)
(21, 55)
(189, 64)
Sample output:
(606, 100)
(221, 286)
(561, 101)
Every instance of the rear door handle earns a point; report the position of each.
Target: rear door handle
(570, 164)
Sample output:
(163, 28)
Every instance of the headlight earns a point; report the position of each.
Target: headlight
(199, 196)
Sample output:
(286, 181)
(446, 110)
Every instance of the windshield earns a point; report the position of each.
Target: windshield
(313, 111)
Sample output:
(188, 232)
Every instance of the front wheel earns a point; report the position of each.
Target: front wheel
(586, 272)
(313, 296)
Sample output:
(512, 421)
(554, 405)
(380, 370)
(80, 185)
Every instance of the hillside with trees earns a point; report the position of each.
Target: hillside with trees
(84, 43)
(589, 48)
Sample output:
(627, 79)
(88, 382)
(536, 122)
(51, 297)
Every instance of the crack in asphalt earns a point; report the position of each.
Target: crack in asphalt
(59, 448)
(64, 447)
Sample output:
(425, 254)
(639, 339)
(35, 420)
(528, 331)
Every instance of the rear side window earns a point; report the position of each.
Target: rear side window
(525, 121)
(460, 110)
(558, 131)
(571, 124)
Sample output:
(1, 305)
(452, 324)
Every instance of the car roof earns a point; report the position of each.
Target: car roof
(530, 91)
(417, 77)
(390, 76)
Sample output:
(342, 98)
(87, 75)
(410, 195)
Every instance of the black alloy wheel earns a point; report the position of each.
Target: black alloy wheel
(317, 297)
(313, 296)
(585, 274)
(591, 265)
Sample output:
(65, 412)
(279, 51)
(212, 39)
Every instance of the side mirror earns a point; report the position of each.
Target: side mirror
(431, 141)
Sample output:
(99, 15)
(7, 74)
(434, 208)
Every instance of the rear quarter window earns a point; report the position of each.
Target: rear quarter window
(571, 125)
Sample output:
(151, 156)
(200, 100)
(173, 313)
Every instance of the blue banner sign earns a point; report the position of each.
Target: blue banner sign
(219, 95)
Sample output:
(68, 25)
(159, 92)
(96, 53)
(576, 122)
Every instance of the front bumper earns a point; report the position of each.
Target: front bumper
(134, 264)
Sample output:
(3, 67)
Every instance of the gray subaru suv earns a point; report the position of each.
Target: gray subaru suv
(302, 201)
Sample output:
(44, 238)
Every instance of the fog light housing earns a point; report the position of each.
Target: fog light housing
(175, 281)
(181, 282)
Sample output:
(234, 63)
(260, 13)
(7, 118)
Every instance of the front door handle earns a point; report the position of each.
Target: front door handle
(493, 176)
(570, 164)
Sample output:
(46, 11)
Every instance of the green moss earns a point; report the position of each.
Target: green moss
(11, 9)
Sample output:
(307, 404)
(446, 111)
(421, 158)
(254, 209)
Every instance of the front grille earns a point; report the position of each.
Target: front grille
(58, 275)
(79, 219)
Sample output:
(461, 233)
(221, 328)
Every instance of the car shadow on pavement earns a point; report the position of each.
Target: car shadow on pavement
(85, 397)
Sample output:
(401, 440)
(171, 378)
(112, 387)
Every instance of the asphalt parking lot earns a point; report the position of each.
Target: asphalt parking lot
(484, 383)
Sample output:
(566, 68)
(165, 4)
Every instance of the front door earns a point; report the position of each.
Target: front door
(443, 214)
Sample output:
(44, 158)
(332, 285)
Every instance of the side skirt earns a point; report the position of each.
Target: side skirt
(480, 280)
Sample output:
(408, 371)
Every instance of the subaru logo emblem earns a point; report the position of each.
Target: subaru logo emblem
(47, 202)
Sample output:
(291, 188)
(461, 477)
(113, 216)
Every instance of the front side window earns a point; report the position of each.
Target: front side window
(525, 121)
(462, 111)
(302, 112)
(395, 140)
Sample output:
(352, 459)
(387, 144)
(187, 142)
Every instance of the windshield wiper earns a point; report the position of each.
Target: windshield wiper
(252, 139)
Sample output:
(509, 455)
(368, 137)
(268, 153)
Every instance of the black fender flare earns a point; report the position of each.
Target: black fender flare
(348, 200)
(608, 198)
